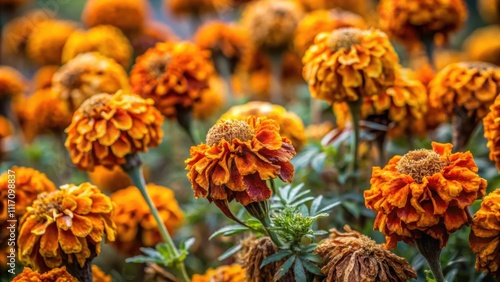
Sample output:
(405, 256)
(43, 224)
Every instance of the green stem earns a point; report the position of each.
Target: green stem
(355, 109)
(266, 222)
(431, 250)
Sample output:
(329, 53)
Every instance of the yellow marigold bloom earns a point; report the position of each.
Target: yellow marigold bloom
(70, 223)
(291, 125)
(412, 21)
(352, 256)
(271, 24)
(99, 276)
(491, 124)
(47, 112)
(87, 75)
(425, 192)
(237, 160)
(53, 275)
(196, 7)
(152, 33)
(484, 45)
(320, 21)
(43, 77)
(12, 82)
(106, 128)
(45, 44)
(348, 63)
(104, 39)
(127, 15)
(471, 85)
(6, 128)
(225, 273)
(485, 233)
(211, 100)
(135, 225)
(173, 74)
(489, 10)
(110, 180)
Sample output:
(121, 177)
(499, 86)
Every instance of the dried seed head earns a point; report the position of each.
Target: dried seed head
(420, 163)
(344, 38)
(229, 130)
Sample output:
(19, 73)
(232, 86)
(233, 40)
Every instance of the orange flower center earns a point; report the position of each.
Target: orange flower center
(344, 38)
(94, 104)
(48, 205)
(229, 130)
(420, 163)
(157, 63)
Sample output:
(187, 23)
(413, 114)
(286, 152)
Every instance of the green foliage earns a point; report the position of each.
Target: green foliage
(163, 254)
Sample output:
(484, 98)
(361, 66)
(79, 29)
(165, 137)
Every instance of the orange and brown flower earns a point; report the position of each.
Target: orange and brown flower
(6, 128)
(87, 75)
(43, 77)
(110, 180)
(135, 225)
(484, 239)
(212, 99)
(99, 276)
(225, 273)
(53, 275)
(127, 15)
(46, 112)
(106, 128)
(491, 124)
(424, 193)
(173, 74)
(152, 33)
(361, 7)
(65, 227)
(12, 83)
(484, 45)
(196, 7)
(349, 63)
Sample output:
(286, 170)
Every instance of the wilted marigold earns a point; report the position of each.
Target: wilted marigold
(425, 192)
(104, 39)
(173, 74)
(291, 125)
(484, 239)
(352, 257)
(53, 275)
(127, 15)
(135, 225)
(484, 45)
(225, 273)
(196, 7)
(87, 75)
(65, 226)
(237, 159)
(348, 63)
(320, 21)
(43, 76)
(491, 124)
(106, 128)
(12, 83)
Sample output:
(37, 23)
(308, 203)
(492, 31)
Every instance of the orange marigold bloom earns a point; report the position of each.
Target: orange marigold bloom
(65, 227)
(484, 45)
(47, 112)
(225, 273)
(318, 131)
(491, 124)
(86, 75)
(135, 225)
(110, 180)
(412, 21)
(320, 21)
(471, 85)
(6, 128)
(104, 39)
(43, 77)
(127, 15)
(12, 82)
(484, 239)
(237, 159)
(425, 192)
(489, 10)
(196, 7)
(106, 128)
(348, 63)
(45, 44)
(291, 125)
(361, 7)
(211, 100)
(53, 275)
(173, 74)
(99, 276)
(271, 24)
(152, 33)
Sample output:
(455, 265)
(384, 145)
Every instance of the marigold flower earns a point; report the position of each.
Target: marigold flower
(291, 125)
(106, 128)
(135, 224)
(173, 74)
(12, 83)
(318, 131)
(489, 10)
(6, 128)
(43, 76)
(271, 24)
(484, 45)
(320, 21)
(65, 227)
(225, 273)
(47, 112)
(86, 75)
(110, 180)
(45, 44)
(99, 276)
(104, 39)
(53, 275)
(211, 100)
(352, 256)
(127, 15)
(196, 7)
(425, 192)
(361, 7)
(349, 63)
(237, 159)
(491, 124)
(485, 233)
(152, 33)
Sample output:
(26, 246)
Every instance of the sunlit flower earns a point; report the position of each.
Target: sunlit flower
(104, 39)
(47, 112)
(127, 15)
(173, 74)
(107, 127)
(425, 192)
(110, 180)
(291, 125)
(65, 226)
(320, 21)
(53, 275)
(343, 65)
(43, 77)
(12, 83)
(46, 42)
(237, 160)
(491, 124)
(87, 75)
(484, 238)
(484, 45)
(211, 100)
(352, 256)
(99, 276)
(196, 7)
(135, 225)
(152, 33)
(225, 273)
(489, 10)
(271, 24)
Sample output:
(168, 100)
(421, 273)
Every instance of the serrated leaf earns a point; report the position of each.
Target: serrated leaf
(229, 230)
(311, 267)
(284, 268)
(275, 257)
(299, 272)
(143, 259)
(231, 251)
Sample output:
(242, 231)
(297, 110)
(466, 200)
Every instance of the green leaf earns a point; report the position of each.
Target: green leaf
(320, 232)
(299, 272)
(152, 253)
(328, 208)
(186, 245)
(143, 259)
(315, 205)
(229, 230)
(231, 251)
(312, 268)
(429, 277)
(353, 208)
(164, 250)
(275, 257)
(318, 162)
(311, 257)
(284, 268)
